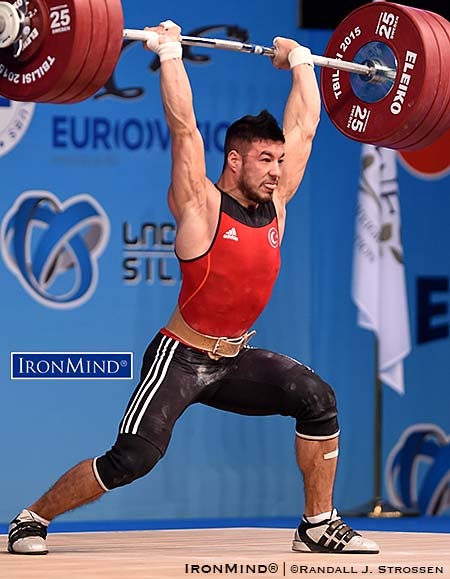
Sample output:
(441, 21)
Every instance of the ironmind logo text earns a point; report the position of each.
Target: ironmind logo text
(71, 365)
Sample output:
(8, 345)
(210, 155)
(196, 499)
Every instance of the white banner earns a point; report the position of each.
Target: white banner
(378, 287)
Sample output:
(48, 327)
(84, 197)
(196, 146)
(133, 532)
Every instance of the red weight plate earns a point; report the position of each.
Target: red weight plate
(394, 116)
(114, 37)
(437, 96)
(54, 51)
(437, 122)
(444, 122)
(432, 162)
(79, 61)
(95, 55)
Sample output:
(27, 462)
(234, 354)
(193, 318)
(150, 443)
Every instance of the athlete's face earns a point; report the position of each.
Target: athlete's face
(260, 170)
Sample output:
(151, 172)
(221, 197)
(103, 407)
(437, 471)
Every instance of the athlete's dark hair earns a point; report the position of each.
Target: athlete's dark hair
(252, 128)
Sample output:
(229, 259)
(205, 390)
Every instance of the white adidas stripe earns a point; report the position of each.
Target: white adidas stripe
(133, 405)
(155, 388)
(152, 375)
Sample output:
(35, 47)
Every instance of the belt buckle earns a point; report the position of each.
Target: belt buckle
(217, 346)
(237, 343)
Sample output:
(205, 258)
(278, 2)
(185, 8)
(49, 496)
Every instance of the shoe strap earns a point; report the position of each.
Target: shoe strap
(28, 529)
(337, 535)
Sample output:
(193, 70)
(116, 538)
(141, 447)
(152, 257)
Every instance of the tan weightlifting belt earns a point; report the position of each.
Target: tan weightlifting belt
(215, 347)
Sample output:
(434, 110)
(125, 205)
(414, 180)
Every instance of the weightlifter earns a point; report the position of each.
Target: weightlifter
(228, 246)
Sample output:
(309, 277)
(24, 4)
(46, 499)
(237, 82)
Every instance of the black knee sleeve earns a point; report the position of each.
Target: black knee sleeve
(317, 414)
(130, 458)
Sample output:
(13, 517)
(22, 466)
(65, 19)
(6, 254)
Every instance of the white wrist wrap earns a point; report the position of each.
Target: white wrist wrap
(170, 50)
(300, 55)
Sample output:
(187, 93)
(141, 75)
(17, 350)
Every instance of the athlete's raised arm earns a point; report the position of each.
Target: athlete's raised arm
(188, 187)
(301, 114)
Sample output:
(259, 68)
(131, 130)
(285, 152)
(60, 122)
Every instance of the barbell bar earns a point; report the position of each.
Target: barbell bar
(199, 41)
(10, 26)
(383, 75)
(9, 31)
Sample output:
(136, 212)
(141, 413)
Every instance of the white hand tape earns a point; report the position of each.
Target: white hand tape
(167, 24)
(152, 41)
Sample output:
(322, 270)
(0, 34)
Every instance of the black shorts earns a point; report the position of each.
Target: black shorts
(256, 382)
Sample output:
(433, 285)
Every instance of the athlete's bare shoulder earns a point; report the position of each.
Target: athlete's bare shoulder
(197, 224)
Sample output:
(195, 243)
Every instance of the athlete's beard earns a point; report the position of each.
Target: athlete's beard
(251, 194)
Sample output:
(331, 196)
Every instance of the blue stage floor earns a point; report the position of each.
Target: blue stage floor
(401, 524)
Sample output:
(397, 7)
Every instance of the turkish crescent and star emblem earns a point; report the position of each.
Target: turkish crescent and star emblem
(273, 236)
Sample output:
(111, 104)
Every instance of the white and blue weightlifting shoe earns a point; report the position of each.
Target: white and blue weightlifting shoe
(27, 535)
(331, 536)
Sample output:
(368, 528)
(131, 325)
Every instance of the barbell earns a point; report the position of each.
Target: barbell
(384, 78)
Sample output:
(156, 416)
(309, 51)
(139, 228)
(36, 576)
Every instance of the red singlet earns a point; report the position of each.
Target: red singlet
(225, 290)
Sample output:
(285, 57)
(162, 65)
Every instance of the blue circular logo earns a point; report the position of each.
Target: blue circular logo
(15, 118)
(418, 470)
(52, 247)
